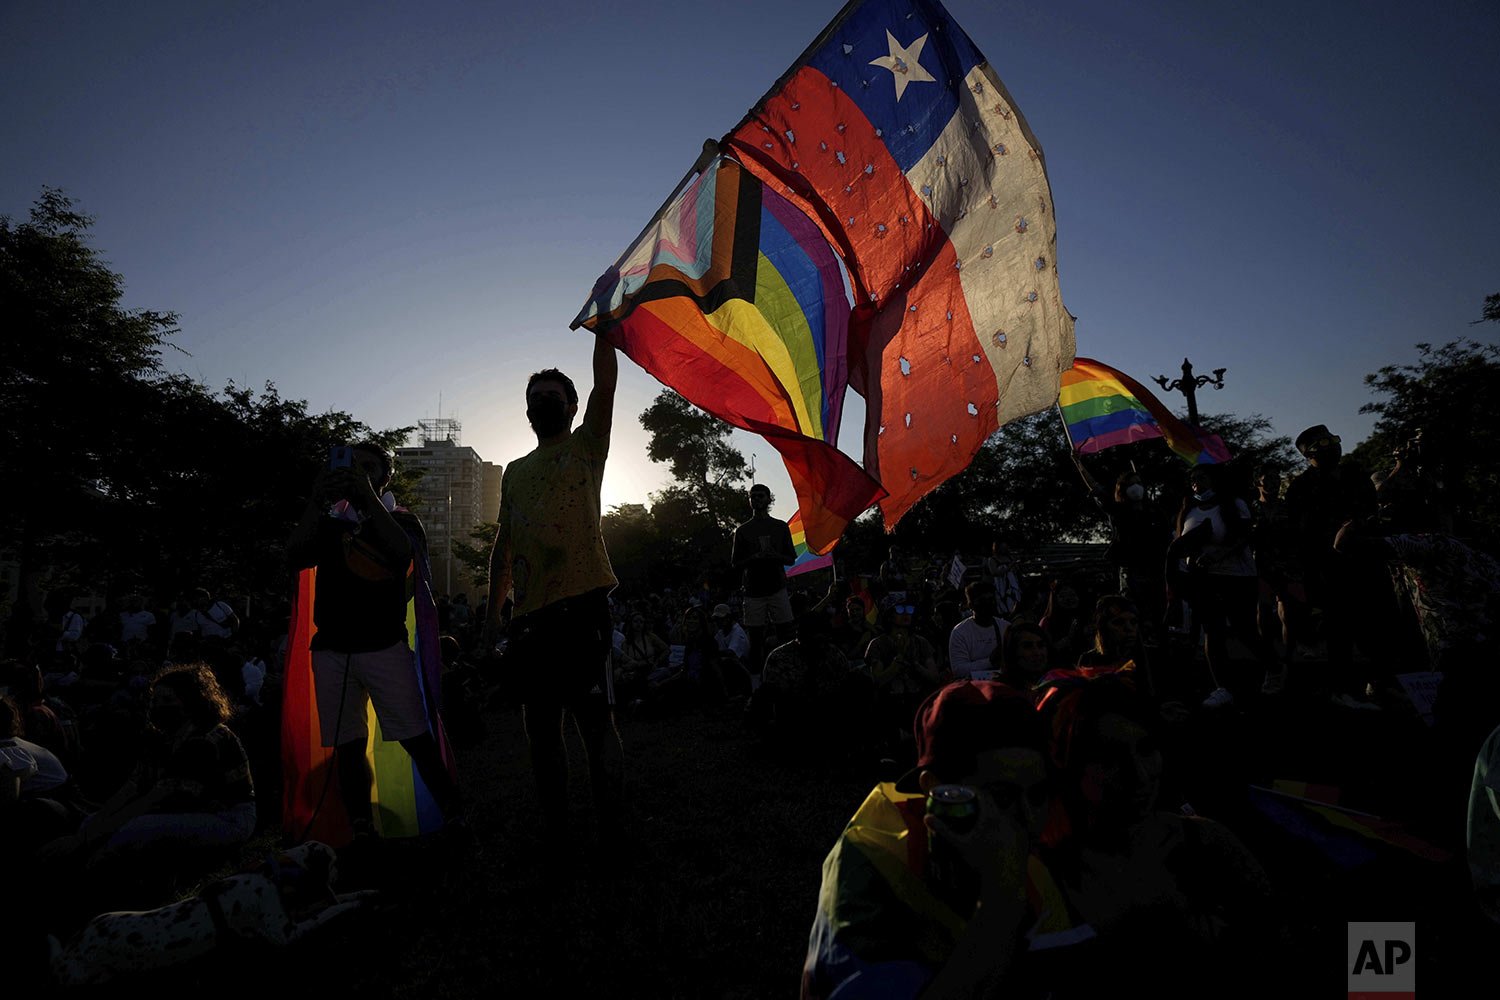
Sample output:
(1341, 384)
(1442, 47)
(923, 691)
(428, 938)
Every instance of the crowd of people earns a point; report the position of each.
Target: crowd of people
(141, 747)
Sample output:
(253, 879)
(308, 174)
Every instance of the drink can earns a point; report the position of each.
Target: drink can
(956, 805)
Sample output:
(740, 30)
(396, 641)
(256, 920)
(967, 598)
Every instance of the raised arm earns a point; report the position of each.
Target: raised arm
(599, 416)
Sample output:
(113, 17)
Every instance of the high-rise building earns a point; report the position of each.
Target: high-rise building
(452, 498)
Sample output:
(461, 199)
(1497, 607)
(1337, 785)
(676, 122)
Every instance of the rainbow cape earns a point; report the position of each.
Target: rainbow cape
(1102, 407)
(311, 805)
(880, 221)
(879, 921)
(807, 559)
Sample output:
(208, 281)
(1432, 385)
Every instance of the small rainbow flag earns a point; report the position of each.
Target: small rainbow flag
(1102, 407)
(807, 559)
(1310, 813)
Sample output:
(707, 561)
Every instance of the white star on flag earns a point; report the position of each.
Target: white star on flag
(904, 63)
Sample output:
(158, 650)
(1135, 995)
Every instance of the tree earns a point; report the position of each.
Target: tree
(634, 541)
(1491, 312)
(1448, 394)
(123, 476)
(695, 446)
(70, 353)
(476, 558)
(696, 514)
(1022, 484)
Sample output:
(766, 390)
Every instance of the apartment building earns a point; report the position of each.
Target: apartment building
(457, 492)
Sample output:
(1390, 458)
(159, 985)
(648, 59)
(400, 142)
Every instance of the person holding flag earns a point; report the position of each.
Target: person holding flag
(549, 556)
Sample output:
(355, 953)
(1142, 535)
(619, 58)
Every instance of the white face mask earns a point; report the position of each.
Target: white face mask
(1135, 491)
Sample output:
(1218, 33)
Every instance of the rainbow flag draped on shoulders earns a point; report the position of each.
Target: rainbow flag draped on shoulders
(880, 221)
(1102, 407)
(881, 930)
(403, 806)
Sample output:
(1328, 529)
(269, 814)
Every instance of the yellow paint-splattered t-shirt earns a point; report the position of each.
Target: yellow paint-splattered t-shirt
(549, 509)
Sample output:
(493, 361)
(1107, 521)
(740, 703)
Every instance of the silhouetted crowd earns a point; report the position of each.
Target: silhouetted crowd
(1091, 714)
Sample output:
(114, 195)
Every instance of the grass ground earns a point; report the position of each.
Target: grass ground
(715, 895)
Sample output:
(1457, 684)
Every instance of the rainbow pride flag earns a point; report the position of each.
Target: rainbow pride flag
(1102, 407)
(891, 161)
(1348, 838)
(736, 301)
(807, 559)
(311, 805)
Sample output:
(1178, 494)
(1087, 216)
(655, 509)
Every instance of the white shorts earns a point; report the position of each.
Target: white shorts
(387, 677)
(777, 609)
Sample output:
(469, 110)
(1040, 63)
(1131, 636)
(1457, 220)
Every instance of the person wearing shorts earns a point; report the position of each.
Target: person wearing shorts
(362, 546)
(763, 550)
(549, 556)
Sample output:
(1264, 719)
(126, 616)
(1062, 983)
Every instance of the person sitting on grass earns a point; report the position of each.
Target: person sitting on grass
(642, 652)
(191, 795)
(1169, 894)
(905, 669)
(809, 694)
(915, 905)
(1026, 655)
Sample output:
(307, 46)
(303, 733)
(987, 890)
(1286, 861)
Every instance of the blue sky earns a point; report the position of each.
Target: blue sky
(376, 206)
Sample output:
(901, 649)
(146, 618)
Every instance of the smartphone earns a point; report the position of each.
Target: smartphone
(340, 457)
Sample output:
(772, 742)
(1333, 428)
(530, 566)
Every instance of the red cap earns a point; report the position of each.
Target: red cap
(961, 720)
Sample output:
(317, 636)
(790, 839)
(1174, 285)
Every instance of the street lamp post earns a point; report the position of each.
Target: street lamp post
(1189, 385)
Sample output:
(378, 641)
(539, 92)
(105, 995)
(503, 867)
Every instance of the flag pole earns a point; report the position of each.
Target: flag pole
(706, 157)
(1072, 448)
(710, 151)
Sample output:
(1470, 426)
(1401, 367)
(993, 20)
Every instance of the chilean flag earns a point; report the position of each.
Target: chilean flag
(895, 135)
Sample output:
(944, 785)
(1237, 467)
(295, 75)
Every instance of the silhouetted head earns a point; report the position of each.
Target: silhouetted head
(1117, 626)
(1104, 747)
(1320, 446)
(1027, 652)
(985, 735)
(551, 402)
(979, 597)
(375, 462)
(1129, 488)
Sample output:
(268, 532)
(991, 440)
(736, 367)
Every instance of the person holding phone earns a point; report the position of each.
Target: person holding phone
(362, 545)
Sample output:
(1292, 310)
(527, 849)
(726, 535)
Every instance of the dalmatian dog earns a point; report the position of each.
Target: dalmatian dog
(278, 902)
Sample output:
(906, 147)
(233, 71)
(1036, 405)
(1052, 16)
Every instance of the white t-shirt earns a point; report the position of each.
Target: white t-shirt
(211, 622)
(254, 674)
(970, 645)
(736, 641)
(72, 631)
(133, 625)
(1215, 556)
(39, 769)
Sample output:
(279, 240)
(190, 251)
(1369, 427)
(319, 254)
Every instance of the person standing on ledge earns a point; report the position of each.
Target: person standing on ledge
(763, 549)
(549, 555)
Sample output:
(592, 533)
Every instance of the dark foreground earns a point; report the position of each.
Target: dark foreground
(715, 894)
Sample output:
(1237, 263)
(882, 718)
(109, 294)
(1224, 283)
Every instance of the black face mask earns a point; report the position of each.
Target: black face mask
(548, 415)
